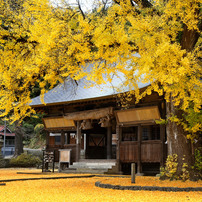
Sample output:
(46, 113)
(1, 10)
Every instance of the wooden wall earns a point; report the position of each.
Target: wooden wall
(151, 151)
(129, 151)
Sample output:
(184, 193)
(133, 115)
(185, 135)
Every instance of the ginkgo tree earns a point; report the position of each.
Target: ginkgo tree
(24, 34)
(149, 41)
(167, 37)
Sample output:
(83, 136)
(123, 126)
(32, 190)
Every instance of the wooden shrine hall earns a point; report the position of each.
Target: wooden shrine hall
(92, 123)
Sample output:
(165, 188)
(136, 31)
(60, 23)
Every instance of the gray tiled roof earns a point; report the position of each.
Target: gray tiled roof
(71, 91)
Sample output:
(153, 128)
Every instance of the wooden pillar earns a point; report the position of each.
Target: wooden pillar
(62, 140)
(139, 164)
(162, 137)
(45, 164)
(68, 138)
(119, 135)
(87, 145)
(78, 141)
(47, 139)
(109, 142)
(84, 142)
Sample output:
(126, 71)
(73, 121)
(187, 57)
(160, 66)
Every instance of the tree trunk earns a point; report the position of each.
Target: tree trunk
(18, 140)
(176, 138)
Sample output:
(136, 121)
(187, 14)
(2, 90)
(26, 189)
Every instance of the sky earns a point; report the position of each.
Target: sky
(86, 5)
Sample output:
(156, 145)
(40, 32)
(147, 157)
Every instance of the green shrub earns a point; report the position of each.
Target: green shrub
(171, 167)
(2, 161)
(185, 173)
(198, 163)
(170, 170)
(34, 152)
(25, 160)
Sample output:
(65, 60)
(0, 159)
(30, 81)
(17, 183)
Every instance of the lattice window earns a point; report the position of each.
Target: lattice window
(129, 133)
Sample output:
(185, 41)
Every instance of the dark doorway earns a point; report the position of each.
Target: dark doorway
(96, 141)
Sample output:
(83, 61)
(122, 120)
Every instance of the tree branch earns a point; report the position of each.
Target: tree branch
(143, 3)
(79, 5)
(190, 37)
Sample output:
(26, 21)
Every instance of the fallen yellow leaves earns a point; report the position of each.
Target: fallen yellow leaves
(83, 189)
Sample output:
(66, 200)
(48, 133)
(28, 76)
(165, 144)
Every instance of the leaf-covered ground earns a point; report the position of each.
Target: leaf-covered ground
(83, 189)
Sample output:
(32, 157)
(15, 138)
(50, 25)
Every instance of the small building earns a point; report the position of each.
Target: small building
(93, 124)
(10, 141)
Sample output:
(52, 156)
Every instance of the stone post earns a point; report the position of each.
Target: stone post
(132, 172)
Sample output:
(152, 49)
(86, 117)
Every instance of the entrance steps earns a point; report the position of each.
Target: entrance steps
(95, 166)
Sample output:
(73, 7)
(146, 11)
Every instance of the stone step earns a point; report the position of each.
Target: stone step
(95, 163)
(92, 165)
(113, 170)
(90, 171)
(97, 160)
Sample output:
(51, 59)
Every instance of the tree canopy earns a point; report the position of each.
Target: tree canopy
(152, 41)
